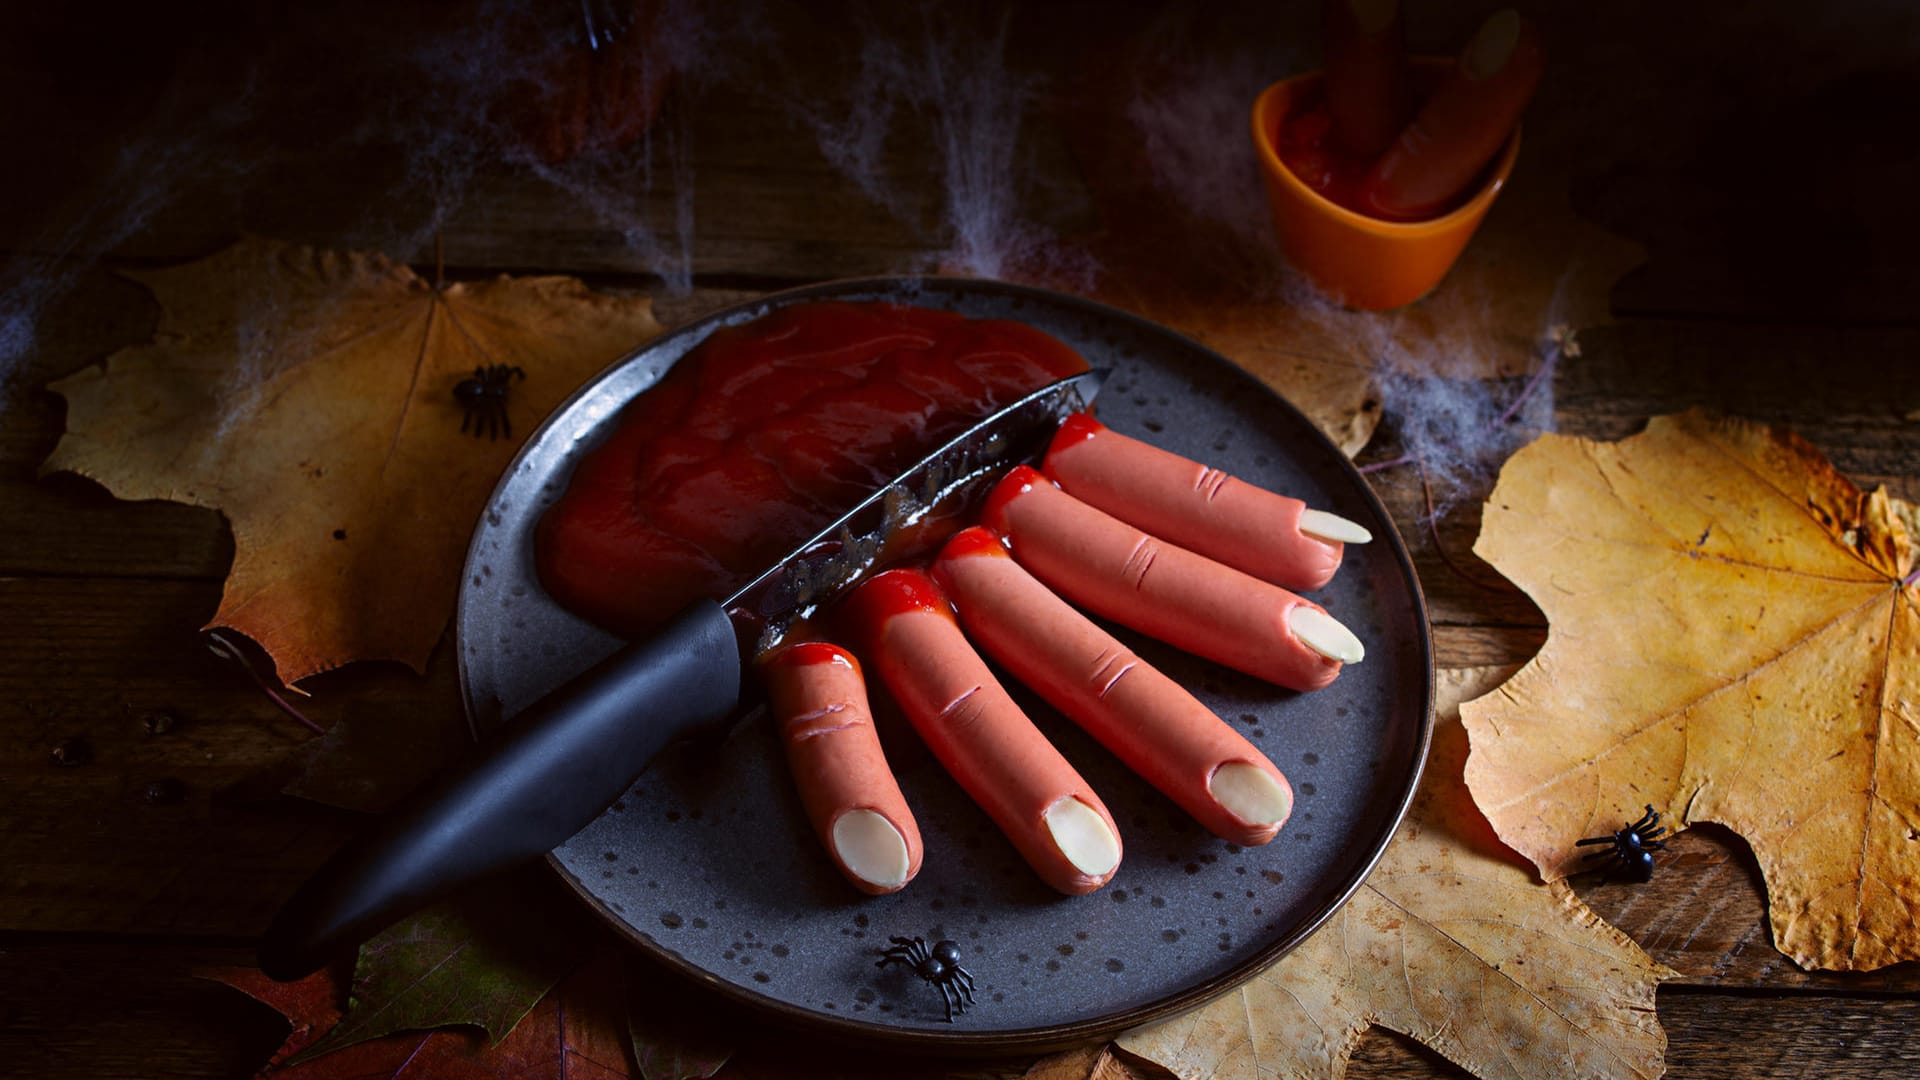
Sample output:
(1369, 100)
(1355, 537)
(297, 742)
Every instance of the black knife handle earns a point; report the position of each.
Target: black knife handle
(550, 771)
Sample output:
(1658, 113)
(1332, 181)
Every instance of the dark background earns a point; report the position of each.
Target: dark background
(1764, 156)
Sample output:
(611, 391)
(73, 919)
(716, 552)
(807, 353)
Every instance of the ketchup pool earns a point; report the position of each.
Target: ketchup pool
(764, 434)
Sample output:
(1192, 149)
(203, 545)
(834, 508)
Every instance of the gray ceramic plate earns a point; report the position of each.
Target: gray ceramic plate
(709, 866)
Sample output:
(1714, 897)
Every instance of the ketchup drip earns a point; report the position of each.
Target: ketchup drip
(895, 592)
(763, 435)
(1018, 481)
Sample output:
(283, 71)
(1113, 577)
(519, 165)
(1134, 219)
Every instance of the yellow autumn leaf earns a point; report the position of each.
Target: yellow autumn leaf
(1084, 1063)
(1734, 638)
(1450, 941)
(308, 396)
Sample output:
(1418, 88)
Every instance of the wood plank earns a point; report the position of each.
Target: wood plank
(106, 1011)
(756, 192)
(1704, 914)
(1849, 391)
(1461, 591)
(1712, 1035)
(1486, 646)
(81, 529)
(1652, 159)
(113, 1011)
(84, 849)
(1684, 155)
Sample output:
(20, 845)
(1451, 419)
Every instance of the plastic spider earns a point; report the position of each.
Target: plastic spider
(939, 965)
(1633, 846)
(484, 399)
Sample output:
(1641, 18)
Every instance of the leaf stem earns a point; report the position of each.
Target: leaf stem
(227, 650)
(1545, 370)
(1433, 529)
(1403, 459)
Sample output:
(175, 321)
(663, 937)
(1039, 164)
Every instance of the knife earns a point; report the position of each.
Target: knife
(557, 765)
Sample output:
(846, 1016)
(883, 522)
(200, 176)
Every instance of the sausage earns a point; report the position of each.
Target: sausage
(1165, 591)
(908, 634)
(1204, 510)
(819, 696)
(1366, 81)
(1149, 721)
(1462, 126)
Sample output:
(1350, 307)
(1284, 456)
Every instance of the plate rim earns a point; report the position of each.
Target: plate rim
(960, 1042)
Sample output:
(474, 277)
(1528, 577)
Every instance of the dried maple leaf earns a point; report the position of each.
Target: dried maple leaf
(1085, 1063)
(308, 396)
(670, 1039)
(484, 958)
(479, 986)
(1734, 638)
(577, 1032)
(1450, 941)
(574, 1032)
(311, 1006)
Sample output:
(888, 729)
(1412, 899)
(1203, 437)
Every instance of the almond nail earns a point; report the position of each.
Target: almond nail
(1492, 45)
(1332, 528)
(1250, 793)
(871, 848)
(1084, 837)
(1325, 635)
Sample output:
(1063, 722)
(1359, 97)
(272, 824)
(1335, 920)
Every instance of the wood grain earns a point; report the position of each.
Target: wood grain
(161, 1021)
(1778, 286)
(84, 849)
(1735, 231)
(1704, 915)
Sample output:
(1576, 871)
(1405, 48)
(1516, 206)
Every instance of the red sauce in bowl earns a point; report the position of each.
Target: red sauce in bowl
(1308, 148)
(764, 434)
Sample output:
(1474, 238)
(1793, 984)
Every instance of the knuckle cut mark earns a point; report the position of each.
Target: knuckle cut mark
(1209, 482)
(1108, 668)
(964, 711)
(1139, 561)
(824, 721)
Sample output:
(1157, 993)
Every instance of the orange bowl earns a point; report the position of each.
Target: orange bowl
(1363, 261)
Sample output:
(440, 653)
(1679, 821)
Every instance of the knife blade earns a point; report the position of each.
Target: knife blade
(910, 516)
(562, 761)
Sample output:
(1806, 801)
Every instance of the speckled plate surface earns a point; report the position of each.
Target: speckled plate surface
(708, 864)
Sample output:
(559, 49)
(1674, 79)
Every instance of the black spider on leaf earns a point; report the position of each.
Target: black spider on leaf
(1633, 846)
(939, 965)
(484, 400)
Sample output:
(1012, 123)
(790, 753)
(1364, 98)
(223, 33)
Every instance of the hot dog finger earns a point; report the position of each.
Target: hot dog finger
(1149, 721)
(1366, 82)
(1204, 510)
(819, 697)
(989, 746)
(1462, 126)
(1186, 600)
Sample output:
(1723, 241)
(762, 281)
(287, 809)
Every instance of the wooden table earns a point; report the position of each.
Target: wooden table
(1766, 163)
